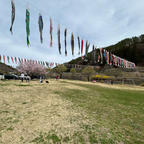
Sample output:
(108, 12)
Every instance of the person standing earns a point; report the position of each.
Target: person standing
(22, 77)
(41, 80)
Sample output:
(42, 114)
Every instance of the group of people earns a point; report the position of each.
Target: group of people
(25, 77)
(28, 78)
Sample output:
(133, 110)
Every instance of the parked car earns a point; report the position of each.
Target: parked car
(11, 76)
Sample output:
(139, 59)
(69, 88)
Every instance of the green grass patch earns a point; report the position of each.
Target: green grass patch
(45, 138)
(25, 103)
(5, 111)
(10, 129)
(23, 85)
(120, 112)
(4, 84)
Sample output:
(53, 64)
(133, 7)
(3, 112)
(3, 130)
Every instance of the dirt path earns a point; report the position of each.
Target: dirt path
(28, 111)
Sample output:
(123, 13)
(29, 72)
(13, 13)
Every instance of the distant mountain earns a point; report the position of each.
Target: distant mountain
(4, 69)
(131, 49)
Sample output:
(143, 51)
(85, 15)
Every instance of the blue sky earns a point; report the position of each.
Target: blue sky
(101, 22)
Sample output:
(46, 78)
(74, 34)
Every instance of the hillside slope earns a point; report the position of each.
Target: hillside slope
(6, 69)
(131, 49)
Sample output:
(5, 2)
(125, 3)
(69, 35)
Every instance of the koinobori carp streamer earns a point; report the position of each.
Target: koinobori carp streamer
(59, 44)
(40, 22)
(51, 29)
(65, 34)
(27, 26)
(72, 43)
(13, 15)
(78, 45)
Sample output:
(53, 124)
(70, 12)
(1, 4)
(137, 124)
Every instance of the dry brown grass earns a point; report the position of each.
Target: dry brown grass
(28, 109)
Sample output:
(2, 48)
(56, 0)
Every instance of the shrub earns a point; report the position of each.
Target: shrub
(142, 84)
(88, 71)
(73, 70)
(96, 77)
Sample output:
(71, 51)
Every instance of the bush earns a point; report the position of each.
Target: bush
(60, 69)
(98, 77)
(88, 71)
(142, 84)
(73, 70)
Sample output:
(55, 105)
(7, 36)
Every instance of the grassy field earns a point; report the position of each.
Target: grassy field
(70, 112)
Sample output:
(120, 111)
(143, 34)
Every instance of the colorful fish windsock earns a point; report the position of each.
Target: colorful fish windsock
(59, 44)
(27, 26)
(93, 53)
(78, 45)
(22, 61)
(82, 47)
(105, 56)
(111, 59)
(51, 29)
(19, 60)
(15, 60)
(3, 58)
(87, 48)
(8, 59)
(51, 64)
(12, 59)
(96, 55)
(98, 58)
(101, 55)
(65, 34)
(119, 61)
(115, 60)
(13, 15)
(40, 22)
(72, 43)
(47, 64)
